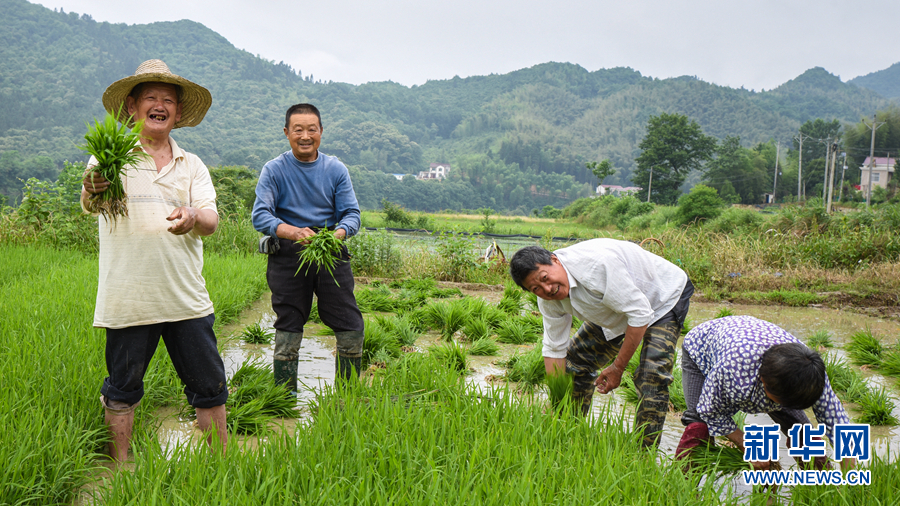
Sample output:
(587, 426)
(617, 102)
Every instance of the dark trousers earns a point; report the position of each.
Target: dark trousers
(192, 347)
(292, 291)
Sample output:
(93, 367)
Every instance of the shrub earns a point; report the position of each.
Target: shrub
(702, 203)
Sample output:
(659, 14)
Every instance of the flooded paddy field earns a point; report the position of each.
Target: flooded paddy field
(316, 370)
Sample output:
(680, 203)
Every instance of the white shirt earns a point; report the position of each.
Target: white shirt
(147, 274)
(614, 284)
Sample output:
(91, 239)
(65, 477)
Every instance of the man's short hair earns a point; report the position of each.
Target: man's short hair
(526, 261)
(302, 109)
(794, 374)
(135, 92)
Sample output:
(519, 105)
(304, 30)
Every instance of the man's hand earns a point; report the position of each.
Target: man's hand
(340, 233)
(94, 183)
(184, 219)
(609, 379)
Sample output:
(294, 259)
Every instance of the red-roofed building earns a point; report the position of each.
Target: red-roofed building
(882, 172)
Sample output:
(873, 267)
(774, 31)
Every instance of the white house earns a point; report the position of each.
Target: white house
(398, 177)
(437, 171)
(882, 172)
(618, 191)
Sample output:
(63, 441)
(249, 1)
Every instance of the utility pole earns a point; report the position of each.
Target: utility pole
(874, 127)
(775, 179)
(650, 185)
(827, 156)
(841, 193)
(800, 169)
(831, 178)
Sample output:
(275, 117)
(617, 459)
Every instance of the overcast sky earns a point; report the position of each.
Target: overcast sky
(755, 44)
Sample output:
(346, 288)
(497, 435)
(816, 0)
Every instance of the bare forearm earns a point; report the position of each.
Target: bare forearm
(554, 366)
(633, 338)
(207, 222)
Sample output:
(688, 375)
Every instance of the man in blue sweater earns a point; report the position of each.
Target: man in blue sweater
(298, 193)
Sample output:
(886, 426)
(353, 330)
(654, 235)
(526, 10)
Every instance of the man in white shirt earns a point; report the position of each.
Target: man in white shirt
(624, 295)
(151, 260)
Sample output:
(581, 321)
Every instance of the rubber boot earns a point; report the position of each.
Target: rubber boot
(120, 426)
(213, 419)
(284, 363)
(347, 368)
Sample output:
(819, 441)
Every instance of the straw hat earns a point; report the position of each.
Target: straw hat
(195, 99)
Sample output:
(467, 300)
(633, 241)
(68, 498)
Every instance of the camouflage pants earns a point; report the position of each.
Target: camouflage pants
(590, 351)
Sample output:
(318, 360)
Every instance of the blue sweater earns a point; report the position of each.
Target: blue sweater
(316, 194)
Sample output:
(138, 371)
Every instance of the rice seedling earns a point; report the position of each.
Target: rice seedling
(255, 333)
(559, 392)
(723, 312)
(453, 355)
(688, 325)
(512, 301)
(628, 391)
(401, 326)
(484, 347)
(526, 368)
(820, 339)
(375, 299)
(846, 382)
(314, 313)
(719, 461)
(481, 309)
(676, 391)
(890, 363)
(376, 340)
(514, 331)
(476, 329)
(535, 322)
(576, 323)
(740, 419)
(531, 302)
(322, 250)
(113, 146)
(864, 348)
(448, 317)
(876, 407)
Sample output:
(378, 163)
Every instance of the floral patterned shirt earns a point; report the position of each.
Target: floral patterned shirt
(729, 352)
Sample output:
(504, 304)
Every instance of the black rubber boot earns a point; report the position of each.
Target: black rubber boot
(347, 368)
(284, 364)
(286, 373)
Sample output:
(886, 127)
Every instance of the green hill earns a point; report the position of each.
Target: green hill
(885, 82)
(516, 141)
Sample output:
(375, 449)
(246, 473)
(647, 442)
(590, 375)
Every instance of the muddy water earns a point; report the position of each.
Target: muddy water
(317, 363)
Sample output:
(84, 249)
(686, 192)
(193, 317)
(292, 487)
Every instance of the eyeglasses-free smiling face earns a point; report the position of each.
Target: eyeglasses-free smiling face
(304, 133)
(157, 104)
(549, 282)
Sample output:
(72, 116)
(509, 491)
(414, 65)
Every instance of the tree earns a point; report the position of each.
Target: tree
(601, 169)
(702, 203)
(673, 147)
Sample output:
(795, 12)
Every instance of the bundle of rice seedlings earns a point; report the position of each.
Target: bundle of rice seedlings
(846, 382)
(890, 363)
(627, 390)
(865, 348)
(576, 323)
(511, 302)
(820, 339)
(719, 461)
(688, 325)
(453, 355)
(723, 312)
(254, 399)
(559, 391)
(476, 329)
(256, 334)
(113, 145)
(514, 331)
(481, 309)
(527, 368)
(531, 302)
(322, 250)
(375, 299)
(876, 408)
(534, 321)
(377, 339)
(400, 326)
(484, 347)
(447, 317)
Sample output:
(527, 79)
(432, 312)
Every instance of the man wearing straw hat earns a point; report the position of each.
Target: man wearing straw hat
(150, 283)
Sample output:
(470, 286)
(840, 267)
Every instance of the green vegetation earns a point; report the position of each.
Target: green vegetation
(864, 348)
(820, 339)
(113, 146)
(322, 250)
(255, 333)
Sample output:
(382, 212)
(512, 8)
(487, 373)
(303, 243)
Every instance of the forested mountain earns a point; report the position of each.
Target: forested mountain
(516, 141)
(886, 82)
